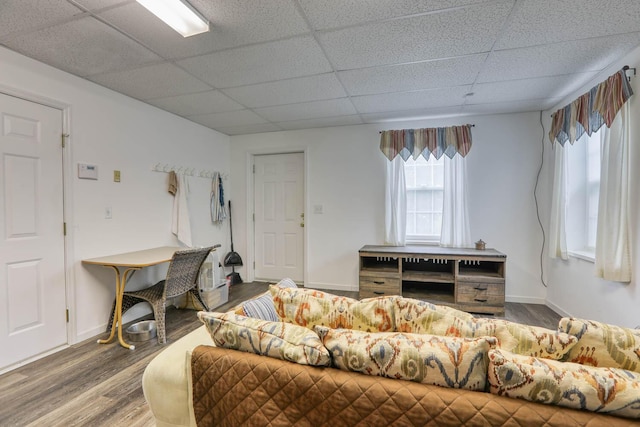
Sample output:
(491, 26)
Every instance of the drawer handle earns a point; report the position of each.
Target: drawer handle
(480, 288)
(378, 293)
(378, 282)
(480, 299)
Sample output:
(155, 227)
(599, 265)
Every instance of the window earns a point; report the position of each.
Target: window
(583, 192)
(425, 187)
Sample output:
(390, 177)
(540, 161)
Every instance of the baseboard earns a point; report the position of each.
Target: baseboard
(333, 286)
(557, 309)
(525, 300)
(91, 333)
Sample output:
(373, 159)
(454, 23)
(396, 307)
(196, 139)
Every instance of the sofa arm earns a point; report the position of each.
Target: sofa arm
(166, 381)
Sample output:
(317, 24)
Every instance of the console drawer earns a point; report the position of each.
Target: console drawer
(480, 293)
(379, 286)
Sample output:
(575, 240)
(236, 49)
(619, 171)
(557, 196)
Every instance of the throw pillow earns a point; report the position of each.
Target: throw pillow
(601, 344)
(415, 316)
(607, 390)
(261, 307)
(420, 317)
(308, 307)
(429, 359)
(274, 339)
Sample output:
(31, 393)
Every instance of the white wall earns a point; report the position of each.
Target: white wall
(573, 288)
(117, 132)
(346, 172)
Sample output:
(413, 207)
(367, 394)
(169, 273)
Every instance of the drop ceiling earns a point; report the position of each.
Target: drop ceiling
(274, 65)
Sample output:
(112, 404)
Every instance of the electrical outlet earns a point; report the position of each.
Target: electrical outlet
(116, 176)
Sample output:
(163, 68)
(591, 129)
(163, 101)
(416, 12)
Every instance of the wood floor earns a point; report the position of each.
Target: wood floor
(100, 385)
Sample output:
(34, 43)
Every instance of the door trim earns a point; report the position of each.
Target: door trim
(67, 204)
(250, 161)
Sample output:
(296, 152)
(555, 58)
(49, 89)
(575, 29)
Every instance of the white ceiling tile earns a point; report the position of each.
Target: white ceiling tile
(538, 88)
(557, 59)
(307, 110)
(419, 75)
(271, 61)
(152, 81)
(447, 34)
(197, 103)
(21, 15)
(410, 100)
(326, 14)
(302, 89)
(248, 129)
(510, 107)
(228, 119)
(548, 21)
(95, 5)
(232, 23)
(84, 47)
(410, 115)
(321, 122)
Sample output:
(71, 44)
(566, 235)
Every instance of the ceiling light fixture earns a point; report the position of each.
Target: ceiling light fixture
(179, 15)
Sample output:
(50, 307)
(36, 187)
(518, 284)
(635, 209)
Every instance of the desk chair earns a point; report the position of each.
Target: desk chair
(181, 278)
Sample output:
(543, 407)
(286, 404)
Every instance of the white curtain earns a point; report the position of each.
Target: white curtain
(455, 212)
(613, 257)
(395, 204)
(557, 233)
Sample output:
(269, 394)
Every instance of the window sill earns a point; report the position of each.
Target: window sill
(423, 242)
(583, 255)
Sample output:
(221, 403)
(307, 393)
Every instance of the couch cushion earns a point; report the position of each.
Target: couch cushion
(522, 339)
(308, 307)
(608, 390)
(444, 361)
(601, 344)
(261, 307)
(274, 339)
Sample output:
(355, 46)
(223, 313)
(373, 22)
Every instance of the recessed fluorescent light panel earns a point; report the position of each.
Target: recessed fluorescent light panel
(179, 15)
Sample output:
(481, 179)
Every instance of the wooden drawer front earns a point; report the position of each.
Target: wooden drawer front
(379, 286)
(480, 293)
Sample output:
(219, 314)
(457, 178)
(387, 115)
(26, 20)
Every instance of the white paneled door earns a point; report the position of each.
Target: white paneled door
(32, 277)
(279, 216)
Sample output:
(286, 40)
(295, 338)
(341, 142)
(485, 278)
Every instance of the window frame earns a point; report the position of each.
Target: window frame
(438, 186)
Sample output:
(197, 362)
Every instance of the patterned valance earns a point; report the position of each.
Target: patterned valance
(428, 141)
(590, 111)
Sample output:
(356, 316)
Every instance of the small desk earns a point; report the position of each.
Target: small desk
(130, 261)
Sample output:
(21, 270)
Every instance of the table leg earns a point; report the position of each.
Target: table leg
(121, 282)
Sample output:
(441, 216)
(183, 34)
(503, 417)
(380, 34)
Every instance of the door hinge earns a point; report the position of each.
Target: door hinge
(254, 265)
(254, 217)
(67, 315)
(64, 228)
(64, 135)
(254, 168)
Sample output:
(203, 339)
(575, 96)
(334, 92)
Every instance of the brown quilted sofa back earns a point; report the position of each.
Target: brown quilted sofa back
(232, 388)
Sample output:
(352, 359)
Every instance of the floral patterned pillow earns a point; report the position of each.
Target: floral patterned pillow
(444, 361)
(274, 339)
(415, 316)
(522, 339)
(600, 344)
(607, 390)
(308, 308)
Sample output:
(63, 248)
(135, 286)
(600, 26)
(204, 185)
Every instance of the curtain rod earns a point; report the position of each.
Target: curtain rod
(445, 126)
(625, 68)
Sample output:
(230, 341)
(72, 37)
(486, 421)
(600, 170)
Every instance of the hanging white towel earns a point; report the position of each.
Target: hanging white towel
(180, 223)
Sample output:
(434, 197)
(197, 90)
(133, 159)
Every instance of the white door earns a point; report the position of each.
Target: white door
(32, 277)
(279, 216)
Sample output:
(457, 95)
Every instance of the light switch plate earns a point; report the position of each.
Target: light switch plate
(87, 171)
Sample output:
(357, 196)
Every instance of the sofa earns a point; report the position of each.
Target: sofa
(296, 356)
